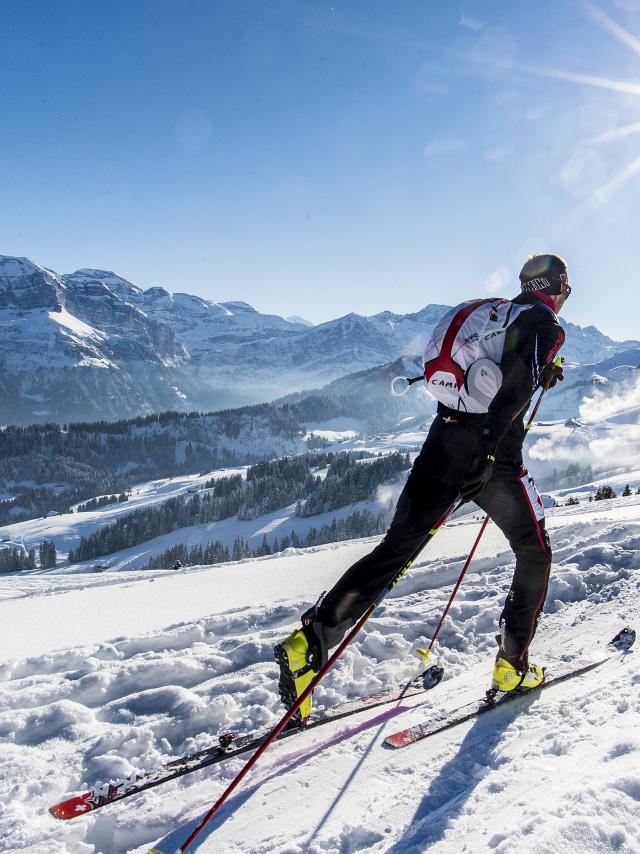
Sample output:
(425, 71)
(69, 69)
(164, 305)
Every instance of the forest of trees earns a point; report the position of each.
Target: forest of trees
(347, 482)
(359, 523)
(604, 492)
(269, 486)
(52, 467)
(48, 555)
(16, 560)
(102, 501)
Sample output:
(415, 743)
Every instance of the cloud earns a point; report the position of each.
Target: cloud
(614, 28)
(627, 5)
(606, 191)
(449, 146)
(193, 130)
(629, 87)
(386, 493)
(470, 23)
(583, 173)
(495, 52)
(496, 154)
(496, 281)
(608, 438)
(604, 404)
(434, 88)
(615, 133)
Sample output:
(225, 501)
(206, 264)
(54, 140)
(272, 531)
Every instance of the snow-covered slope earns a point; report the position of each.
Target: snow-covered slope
(104, 675)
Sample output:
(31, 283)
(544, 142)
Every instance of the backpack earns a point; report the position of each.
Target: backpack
(462, 358)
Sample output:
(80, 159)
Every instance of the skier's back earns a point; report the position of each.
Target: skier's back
(474, 451)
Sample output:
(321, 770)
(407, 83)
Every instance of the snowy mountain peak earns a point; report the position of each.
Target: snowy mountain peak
(122, 288)
(295, 318)
(158, 295)
(25, 285)
(586, 344)
(238, 306)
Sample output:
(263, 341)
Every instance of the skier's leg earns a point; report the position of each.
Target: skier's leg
(422, 503)
(432, 486)
(512, 501)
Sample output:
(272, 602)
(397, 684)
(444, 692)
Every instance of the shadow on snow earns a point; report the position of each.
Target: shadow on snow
(457, 779)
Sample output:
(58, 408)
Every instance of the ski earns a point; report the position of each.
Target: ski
(448, 719)
(229, 746)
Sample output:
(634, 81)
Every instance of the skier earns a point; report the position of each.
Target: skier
(473, 452)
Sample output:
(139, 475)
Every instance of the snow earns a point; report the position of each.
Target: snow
(103, 675)
(73, 324)
(66, 529)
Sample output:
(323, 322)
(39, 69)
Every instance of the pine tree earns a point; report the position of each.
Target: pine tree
(627, 491)
(264, 549)
(604, 493)
(47, 554)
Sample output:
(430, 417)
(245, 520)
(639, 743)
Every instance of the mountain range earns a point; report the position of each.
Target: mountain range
(91, 345)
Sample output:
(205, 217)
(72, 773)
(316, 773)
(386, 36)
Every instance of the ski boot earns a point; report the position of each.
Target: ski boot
(508, 677)
(300, 657)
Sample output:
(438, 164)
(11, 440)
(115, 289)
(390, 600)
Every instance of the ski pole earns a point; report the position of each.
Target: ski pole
(312, 685)
(425, 653)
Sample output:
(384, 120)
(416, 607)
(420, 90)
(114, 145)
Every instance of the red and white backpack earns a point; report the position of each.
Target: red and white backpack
(462, 358)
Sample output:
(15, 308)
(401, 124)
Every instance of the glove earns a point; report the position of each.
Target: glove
(480, 469)
(550, 375)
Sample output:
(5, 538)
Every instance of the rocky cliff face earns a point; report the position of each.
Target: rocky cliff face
(25, 286)
(76, 350)
(91, 345)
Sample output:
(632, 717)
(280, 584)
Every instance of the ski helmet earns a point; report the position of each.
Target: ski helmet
(545, 274)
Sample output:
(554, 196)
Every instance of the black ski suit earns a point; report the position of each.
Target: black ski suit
(510, 497)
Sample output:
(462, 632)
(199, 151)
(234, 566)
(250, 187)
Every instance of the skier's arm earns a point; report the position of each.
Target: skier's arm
(527, 352)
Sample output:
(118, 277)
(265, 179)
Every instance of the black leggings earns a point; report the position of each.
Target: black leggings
(510, 499)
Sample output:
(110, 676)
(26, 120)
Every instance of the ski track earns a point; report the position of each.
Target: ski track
(559, 773)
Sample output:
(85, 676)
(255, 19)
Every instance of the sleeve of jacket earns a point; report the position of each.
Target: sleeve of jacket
(529, 347)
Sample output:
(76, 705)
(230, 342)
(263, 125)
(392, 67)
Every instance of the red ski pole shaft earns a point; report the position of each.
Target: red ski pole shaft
(277, 729)
(458, 583)
(275, 732)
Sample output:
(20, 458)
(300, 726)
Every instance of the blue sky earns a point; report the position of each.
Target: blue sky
(317, 158)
